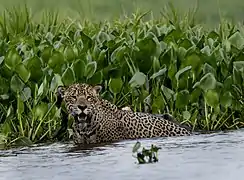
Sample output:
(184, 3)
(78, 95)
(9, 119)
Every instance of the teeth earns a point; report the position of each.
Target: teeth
(82, 118)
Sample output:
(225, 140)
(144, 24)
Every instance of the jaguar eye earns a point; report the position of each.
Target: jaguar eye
(89, 98)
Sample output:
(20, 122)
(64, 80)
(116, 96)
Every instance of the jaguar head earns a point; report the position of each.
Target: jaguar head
(80, 100)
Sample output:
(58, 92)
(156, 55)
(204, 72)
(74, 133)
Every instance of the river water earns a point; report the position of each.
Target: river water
(218, 156)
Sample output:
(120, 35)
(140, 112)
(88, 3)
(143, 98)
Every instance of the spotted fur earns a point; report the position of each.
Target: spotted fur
(98, 120)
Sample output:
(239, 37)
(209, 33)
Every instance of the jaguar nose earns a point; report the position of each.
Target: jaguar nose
(82, 107)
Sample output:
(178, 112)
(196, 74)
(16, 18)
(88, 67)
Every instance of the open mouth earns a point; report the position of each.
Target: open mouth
(81, 118)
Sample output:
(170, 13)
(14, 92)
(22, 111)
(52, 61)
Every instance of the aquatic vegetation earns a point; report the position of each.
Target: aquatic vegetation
(167, 65)
(146, 155)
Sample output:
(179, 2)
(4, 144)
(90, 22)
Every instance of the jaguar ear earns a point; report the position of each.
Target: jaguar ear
(60, 91)
(97, 89)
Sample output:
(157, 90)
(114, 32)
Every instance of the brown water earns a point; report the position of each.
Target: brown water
(198, 157)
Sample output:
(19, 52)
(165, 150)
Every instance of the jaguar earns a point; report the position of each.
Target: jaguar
(97, 120)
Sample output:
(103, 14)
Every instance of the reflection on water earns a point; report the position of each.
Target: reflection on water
(209, 156)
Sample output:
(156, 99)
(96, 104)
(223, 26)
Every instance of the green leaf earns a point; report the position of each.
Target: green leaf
(43, 87)
(16, 84)
(184, 82)
(236, 105)
(173, 35)
(118, 54)
(68, 77)
(182, 99)
(1, 60)
(143, 57)
(172, 70)
(186, 115)
(12, 59)
(181, 53)
(69, 54)
(115, 85)
(183, 70)
(114, 72)
(165, 58)
(91, 68)
(136, 147)
(20, 105)
(224, 69)
(79, 69)
(34, 66)
(101, 60)
(208, 69)
(4, 96)
(56, 81)
(102, 36)
(40, 110)
(208, 82)
(185, 43)
(87, 42)
(239, 65)
(168, 93)
(23, 73)
(46, 54)
(210, 42)
(159, 73)
(195, 95)
(4, 85)
(228, 83)
(156, 64)
(193, 60)
(147, 46)
(97, 78)
(56, 60)
(237, 40)
(226, 99)
(226, 45)
(237, 76)
(212, 98)
(49, 37)
(6, 72)
(25, 94)
(157, 104)
(213, 35)
(10, 111)
(138, 79)
(206, 50)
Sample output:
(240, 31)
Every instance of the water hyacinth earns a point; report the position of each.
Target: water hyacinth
(158, 66)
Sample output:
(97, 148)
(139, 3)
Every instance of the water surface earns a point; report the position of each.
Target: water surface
(198, 157)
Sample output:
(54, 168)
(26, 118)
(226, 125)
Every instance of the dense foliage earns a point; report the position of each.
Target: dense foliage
(165, 65)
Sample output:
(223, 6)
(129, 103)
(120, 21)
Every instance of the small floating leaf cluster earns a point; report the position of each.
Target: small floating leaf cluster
(166, 65)
(146, 155)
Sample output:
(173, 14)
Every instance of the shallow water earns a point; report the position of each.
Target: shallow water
(198, 157)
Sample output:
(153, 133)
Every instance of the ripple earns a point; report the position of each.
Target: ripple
(209, 156)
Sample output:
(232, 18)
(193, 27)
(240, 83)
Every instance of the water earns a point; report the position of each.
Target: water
(199, 157)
